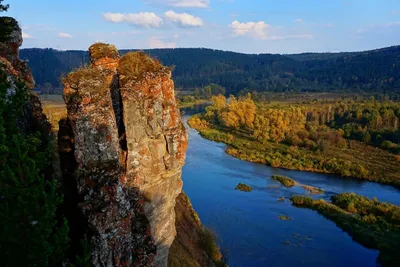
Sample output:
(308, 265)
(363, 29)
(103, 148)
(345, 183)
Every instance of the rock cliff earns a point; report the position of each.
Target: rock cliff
(121, 151)
(17, 71)
(129, 145)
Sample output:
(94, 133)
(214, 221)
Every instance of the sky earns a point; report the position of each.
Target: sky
(247, 26)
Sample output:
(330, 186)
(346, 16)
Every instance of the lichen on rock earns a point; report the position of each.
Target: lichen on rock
(129, 145)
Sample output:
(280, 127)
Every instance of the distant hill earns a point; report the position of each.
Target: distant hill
(375, 70)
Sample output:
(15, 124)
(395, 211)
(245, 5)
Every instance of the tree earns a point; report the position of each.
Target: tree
(31, 234)
(3, 8)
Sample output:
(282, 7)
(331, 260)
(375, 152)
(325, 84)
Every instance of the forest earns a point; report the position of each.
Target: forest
(351, 138)
(369, 71)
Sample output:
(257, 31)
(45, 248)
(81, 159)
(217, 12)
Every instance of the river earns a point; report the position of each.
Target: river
(247, 224)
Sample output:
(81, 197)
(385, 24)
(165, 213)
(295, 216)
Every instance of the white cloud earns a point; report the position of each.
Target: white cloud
(26, 35)
(182, 3)
(156, 42)
(299, 21)
(142, 19)
(183, 19)
(64, 35)
(253, 29)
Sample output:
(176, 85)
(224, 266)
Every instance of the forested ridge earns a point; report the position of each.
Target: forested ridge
(375, 70)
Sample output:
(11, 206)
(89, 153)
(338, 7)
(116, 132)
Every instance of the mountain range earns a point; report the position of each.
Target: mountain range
(375, 70)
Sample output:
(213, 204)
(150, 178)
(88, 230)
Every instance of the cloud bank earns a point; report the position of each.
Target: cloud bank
(253, 29)
(142, 19)
(64, 35)
(183, 19)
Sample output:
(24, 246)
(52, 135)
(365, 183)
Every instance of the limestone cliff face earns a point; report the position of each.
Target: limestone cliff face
(129, 146)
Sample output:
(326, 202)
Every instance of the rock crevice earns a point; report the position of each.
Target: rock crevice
(129, 146)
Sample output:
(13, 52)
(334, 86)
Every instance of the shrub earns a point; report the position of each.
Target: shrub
(101, 50)
(136, 64)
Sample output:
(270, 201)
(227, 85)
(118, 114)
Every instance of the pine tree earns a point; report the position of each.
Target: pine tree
(3, 7)
(31, 234)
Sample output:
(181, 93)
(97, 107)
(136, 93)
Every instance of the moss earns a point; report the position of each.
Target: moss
(244, 187)
(101, 50)
(285, 181)
(87, 80)
(134, 65)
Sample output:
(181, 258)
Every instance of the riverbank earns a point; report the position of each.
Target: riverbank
(356, 160)
(188, 104)
(373, 224)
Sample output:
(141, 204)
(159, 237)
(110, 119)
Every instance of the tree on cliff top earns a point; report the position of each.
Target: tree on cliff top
(3, 7)
(31, 234)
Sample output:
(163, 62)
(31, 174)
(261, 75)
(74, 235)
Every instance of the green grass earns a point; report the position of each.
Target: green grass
(285, 181)
(369, 222)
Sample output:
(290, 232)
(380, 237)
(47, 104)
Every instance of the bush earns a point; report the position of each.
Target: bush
(134, 65)
(101, 50)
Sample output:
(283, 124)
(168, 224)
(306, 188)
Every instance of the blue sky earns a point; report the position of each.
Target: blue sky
(249, 26)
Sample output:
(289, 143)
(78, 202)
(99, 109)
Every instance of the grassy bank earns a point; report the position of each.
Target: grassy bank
(369, 222)
(187, 104)
(286, 181)
(355, 160)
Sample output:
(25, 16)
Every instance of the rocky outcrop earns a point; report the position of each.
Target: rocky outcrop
(129, 146)
(10, 41)
(17, 71)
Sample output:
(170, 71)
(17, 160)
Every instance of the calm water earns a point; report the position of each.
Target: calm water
(247, 224)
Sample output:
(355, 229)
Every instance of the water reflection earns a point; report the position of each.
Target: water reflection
(247, 224)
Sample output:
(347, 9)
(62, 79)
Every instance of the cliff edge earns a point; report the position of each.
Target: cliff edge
(129, 145)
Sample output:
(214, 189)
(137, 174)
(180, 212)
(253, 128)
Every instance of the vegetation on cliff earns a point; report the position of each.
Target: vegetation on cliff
(101, 50)
(32, 234)
(372, 223)
(194, 245)
(333, 137)
(136, 64)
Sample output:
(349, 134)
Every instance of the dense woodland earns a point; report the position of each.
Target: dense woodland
(376, 70)
(359, 139)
